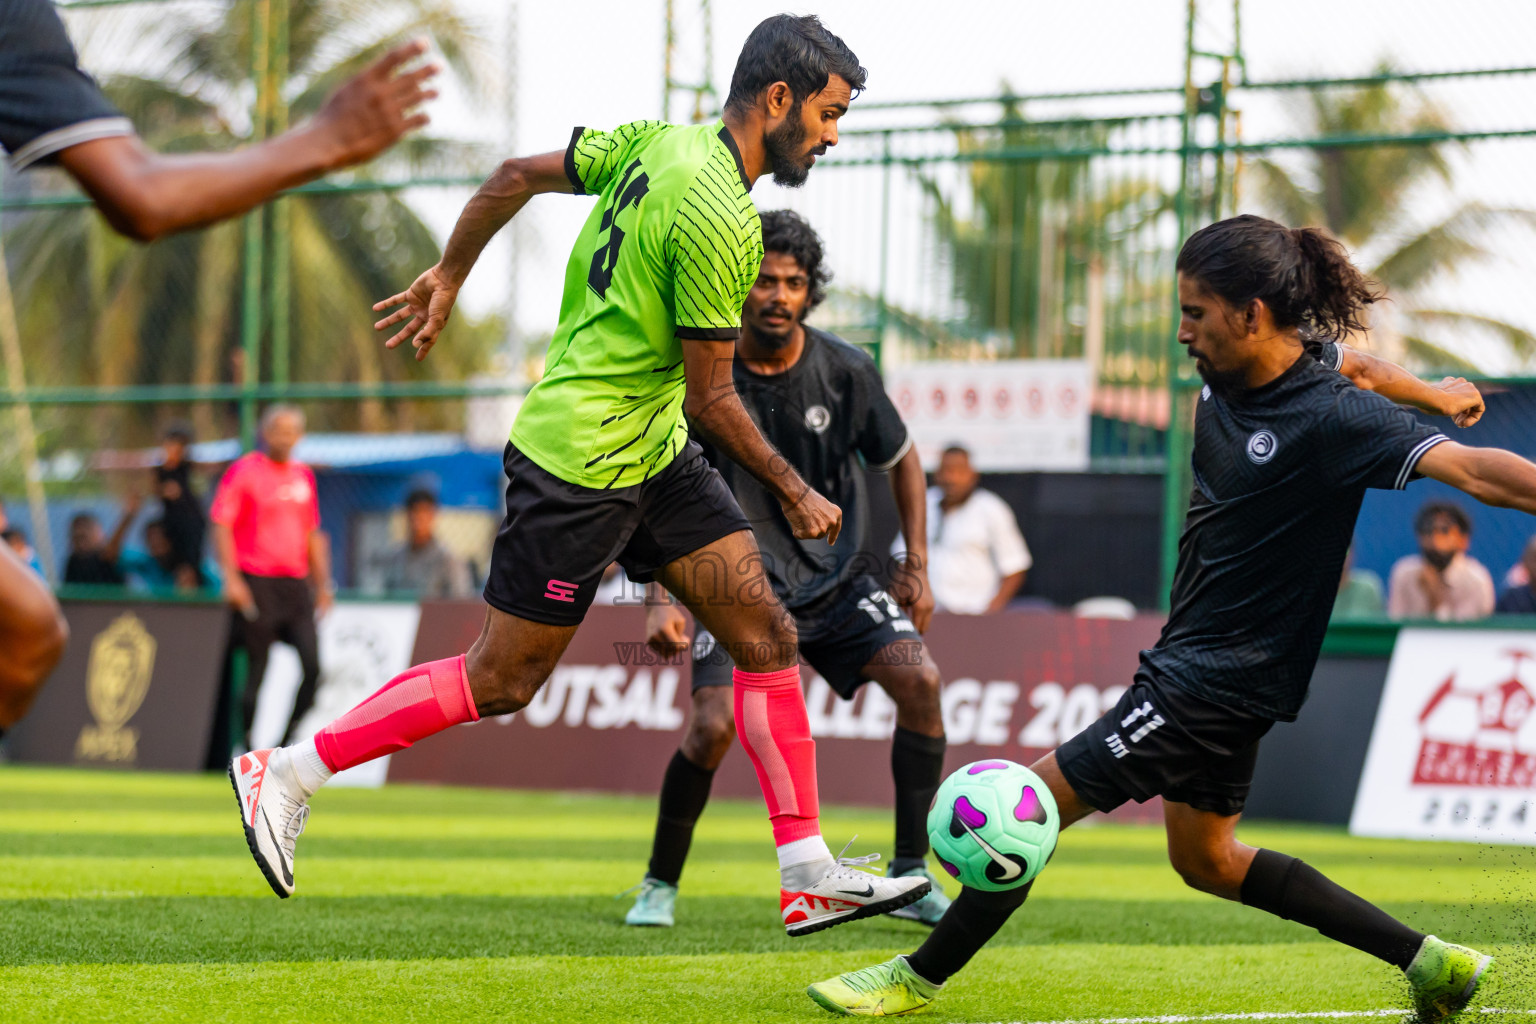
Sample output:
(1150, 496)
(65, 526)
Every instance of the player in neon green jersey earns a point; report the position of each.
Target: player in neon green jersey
(600, 465)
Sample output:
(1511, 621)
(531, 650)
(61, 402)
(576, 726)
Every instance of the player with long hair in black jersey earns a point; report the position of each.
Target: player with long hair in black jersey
(1285, 448)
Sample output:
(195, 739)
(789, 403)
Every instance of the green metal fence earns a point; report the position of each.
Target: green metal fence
(1040, 224)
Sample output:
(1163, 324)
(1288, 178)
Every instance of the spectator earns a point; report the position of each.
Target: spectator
(182, 514)
(1359, 595)
(159, 568)
(422, 564)
(977, 555)
(274, 559)
(16, 539)
(1521, 600)
(1441, 582)
(93, 559)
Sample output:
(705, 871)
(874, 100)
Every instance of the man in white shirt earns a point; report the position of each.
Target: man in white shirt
(976, 553)
(1441, 582)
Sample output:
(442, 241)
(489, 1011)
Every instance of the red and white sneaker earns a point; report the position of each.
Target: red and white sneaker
(273, 810)
(845, 894)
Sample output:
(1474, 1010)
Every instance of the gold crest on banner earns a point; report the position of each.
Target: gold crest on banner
(116, 681)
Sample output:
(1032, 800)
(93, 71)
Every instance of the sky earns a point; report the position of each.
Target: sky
(602, 67)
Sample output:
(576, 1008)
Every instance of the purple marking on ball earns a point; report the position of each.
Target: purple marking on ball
(954, 871)
(986, 766)
(969, 813)
(1030, 808)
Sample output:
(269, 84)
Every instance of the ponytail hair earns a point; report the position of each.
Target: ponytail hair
(1303, 275)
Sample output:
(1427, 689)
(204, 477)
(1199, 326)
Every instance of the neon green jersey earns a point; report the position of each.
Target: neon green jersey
(669, 253)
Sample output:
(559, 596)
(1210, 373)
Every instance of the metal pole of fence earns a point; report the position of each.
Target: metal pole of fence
(1176, 475)
(282, 209)
(668, 44)
(1219, 187)
(251, 300)
(26, 431)
(881, 320)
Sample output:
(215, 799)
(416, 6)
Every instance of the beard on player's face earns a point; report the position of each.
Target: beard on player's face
(1223, 382)
(775, 338)
(788, 156)
(1213, 349)
(780, 330)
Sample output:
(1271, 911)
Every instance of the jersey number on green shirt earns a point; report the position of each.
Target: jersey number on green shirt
(606, 258)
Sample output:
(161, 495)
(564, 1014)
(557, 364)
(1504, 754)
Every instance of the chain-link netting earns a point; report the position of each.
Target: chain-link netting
(1041, 224)
(116, 345)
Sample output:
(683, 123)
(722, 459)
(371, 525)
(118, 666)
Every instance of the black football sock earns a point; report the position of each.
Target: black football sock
(1288, 888)
(968, 924)
(684, 792)
(917, 765)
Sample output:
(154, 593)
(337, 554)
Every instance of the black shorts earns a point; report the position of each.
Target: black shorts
(839, 635)
(1163, 741)
(558, 537)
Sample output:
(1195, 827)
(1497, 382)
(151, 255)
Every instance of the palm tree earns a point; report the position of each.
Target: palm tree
(1361, 194)
(1057, 256)
(97, 310)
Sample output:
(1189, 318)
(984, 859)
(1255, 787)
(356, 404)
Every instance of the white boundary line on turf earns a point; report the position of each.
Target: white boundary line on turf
(1316, 1015)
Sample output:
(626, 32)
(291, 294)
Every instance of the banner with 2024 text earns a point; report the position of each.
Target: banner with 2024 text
(1453, 753)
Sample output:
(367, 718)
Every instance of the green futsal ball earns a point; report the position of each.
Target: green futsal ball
(993, 825)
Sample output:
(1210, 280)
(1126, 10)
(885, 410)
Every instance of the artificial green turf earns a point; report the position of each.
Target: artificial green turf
(132, 897)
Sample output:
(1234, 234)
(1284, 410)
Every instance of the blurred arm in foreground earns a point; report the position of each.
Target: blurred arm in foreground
(52, 112)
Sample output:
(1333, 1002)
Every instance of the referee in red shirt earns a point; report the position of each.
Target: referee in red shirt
(275, 561)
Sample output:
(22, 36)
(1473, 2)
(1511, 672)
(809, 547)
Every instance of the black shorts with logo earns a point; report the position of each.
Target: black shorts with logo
(1163, 741)
(558, 537)
(839, 635)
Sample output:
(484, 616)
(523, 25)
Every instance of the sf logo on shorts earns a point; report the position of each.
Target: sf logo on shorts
(559, 590)
(1152, 721)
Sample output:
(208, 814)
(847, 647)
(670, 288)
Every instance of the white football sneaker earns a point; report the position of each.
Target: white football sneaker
(845, 894)
(273, 810)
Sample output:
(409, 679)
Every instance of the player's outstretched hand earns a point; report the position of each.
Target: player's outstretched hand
(666, 629)
(814, 516)
(1463, 402)
(427, 304)
(373, 110)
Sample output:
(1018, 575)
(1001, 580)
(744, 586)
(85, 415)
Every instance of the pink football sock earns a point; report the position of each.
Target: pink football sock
(415, 704)
(776, 734)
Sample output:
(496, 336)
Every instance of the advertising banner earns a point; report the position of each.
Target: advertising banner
(1013, 414)
(363, 644)
(136, 688)
(1016, 685)
(1453, 754)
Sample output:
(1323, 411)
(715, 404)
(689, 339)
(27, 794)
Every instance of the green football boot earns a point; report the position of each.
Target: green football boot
(891, 989)
(930, 908)
(653, 907)
(1444, 979)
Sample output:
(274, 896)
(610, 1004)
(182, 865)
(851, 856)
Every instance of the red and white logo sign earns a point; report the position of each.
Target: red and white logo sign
(1013, 414)
(1453, 754)
(1472, 733)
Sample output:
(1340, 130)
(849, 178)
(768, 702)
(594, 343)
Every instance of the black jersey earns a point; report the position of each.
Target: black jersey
(1279, 474)
(47, 103)
(824, 414)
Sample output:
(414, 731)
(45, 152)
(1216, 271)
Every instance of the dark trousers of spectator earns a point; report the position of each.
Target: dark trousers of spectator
(285, 610)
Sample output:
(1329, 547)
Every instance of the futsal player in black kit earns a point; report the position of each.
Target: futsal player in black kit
(820, 401)
(1285, 448)
(51, 112)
